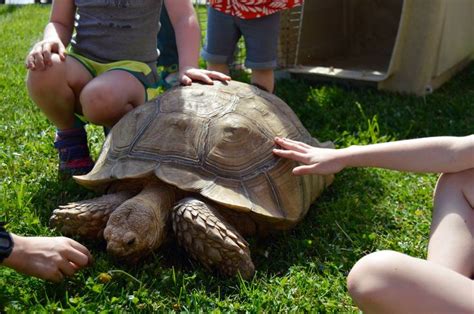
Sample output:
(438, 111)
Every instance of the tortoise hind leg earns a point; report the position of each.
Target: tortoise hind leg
(87, 218)
(210, 239)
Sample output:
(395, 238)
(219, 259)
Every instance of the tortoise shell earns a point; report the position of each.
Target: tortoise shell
(215, 140)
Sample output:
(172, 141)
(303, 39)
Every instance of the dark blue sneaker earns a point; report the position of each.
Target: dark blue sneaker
(74, 157)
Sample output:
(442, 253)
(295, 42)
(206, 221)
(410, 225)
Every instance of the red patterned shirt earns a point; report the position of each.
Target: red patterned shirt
(251, 9)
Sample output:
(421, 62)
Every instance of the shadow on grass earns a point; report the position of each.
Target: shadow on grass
(333, 231)
(54, 193)
(8, 9)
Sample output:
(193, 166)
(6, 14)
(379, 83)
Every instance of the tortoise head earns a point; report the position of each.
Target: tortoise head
(133, 233)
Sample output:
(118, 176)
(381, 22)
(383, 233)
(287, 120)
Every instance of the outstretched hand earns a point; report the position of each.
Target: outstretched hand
(191, 74)
(39, 58)
(49, 258)
(316, 160)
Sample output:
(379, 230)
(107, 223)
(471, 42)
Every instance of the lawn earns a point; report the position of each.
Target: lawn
(303, 270)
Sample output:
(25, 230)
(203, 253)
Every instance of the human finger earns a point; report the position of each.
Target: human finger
(67, 268)
(47, 54)
(185, 80)
(38, 58)
(30, 62)
(78, 246)
(291, 145)
(288, 141)
(62, 52)
(290, 154)
(78, 254)
(305, 169)
(319, 167)
(200, 76)
(218, 75)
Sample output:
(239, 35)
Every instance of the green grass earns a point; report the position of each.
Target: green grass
(303, 270)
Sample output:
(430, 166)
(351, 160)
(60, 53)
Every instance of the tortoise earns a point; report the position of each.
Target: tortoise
(198, 160)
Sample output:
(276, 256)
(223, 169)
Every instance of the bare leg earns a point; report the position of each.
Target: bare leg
(56, 90)
(388, 281)
(223, 68)
(264, 78)
(452, 231)
(394, 282)
(110, 96)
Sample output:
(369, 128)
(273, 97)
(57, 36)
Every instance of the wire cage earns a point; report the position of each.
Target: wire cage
(408, 46)
(288, 46)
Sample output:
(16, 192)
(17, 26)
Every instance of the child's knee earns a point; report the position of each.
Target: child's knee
(95, 103)
(457, 178)
(100, 105)
(462, 181)
(45, 80)
(370, 275)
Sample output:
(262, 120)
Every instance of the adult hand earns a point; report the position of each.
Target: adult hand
(189, 74)
(317, 160)
(49, 258)
(39, 58)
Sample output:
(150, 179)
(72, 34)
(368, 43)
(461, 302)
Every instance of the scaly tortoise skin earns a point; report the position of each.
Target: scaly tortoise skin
(199, 159)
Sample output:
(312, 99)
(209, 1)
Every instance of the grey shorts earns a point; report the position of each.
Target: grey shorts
(260, 36)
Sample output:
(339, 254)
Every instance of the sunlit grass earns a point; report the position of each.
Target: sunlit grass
(300, 271)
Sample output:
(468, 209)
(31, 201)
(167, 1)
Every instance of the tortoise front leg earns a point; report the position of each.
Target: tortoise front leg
(138, 226)
(87, 218)
(210, 239)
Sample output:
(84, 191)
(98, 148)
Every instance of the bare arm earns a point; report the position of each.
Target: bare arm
(56, 37)
(433, 154)
(61, 21)
(188, 40)
(49, 258)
